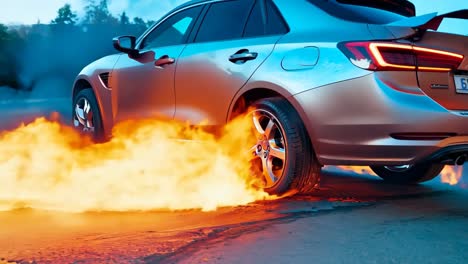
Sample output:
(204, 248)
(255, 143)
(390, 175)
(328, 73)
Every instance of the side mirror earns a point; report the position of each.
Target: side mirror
(126, 44)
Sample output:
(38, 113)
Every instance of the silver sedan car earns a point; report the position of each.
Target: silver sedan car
(336, 82)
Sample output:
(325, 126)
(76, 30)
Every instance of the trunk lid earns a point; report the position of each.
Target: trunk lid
(447, 88)
(422, 31)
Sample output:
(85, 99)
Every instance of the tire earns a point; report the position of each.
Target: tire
(300, 169)
(86, 101)
(417, 173)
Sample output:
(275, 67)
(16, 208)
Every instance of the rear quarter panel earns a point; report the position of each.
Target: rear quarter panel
(311, 28)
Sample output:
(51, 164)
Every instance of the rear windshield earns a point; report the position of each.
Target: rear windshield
(367, 11)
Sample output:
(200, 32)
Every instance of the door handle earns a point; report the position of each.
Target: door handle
(243, 56)
(164, 60)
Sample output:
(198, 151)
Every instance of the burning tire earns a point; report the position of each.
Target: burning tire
(86, 115)
(283, 158)
(409, 174)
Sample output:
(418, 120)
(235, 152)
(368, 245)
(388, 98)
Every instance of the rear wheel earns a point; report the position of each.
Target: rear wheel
(86, 115)
(409, 174)
(282, 157)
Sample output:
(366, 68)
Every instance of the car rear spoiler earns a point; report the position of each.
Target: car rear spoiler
(410, 26)
(428, 21)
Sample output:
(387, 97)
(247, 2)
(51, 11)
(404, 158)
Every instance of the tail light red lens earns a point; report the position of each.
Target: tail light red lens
(385, 56)
(437, 60)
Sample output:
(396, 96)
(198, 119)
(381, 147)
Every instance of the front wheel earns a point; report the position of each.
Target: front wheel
(86, 115)
(283, 158)
(409, 174)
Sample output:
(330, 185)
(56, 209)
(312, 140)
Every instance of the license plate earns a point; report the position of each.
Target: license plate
(461, 83)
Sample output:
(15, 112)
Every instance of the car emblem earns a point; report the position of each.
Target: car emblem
(439, 86)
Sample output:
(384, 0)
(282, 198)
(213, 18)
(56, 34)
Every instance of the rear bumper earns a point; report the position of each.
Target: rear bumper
(352, 123)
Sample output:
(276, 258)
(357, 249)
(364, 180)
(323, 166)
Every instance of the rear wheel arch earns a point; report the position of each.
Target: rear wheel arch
(247, 98)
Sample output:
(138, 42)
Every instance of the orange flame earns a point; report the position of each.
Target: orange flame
(452, 175)
(45, 165)
(357, 169)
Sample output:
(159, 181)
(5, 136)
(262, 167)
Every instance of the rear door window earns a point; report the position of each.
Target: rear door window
(265, 19)
(224, 20)
(275, 22)
(256, 23)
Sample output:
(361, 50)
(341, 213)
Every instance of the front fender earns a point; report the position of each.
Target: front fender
(89, 78)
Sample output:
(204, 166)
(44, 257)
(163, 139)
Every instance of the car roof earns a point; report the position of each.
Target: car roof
(192, 2)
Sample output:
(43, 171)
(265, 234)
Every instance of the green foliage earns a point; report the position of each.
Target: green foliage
(9, 41)
(124, 19)
(64, 47)
(3, 41)
(98, 13)
(65, 16)
(3, 33)
(139, 21)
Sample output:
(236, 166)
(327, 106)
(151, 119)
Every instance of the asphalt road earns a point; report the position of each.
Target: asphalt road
(349, 219)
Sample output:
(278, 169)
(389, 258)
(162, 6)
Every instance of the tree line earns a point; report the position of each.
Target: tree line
(96, 12)
(63, 46)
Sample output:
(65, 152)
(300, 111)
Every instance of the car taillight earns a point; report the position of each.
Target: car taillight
(384, 56)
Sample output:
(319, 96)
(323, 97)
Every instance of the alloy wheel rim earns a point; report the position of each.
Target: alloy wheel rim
(269, 153)
(83, 117)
